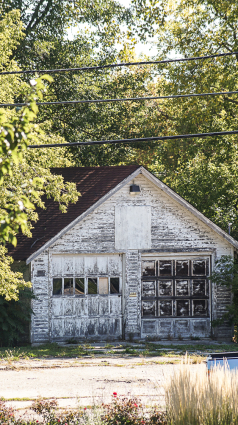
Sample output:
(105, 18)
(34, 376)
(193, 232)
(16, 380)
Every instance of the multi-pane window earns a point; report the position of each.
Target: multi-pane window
(86, 286)
(175, 288)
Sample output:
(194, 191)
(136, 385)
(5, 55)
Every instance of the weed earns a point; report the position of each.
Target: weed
(130, 411)
(121, 411)
(202, 399)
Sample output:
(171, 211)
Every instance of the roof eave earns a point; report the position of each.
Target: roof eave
(160, 185)
(85, 214)
(189, 207)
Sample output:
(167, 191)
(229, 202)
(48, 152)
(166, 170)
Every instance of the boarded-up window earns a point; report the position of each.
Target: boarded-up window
(103, 286)
(57, 286)
(132, 227)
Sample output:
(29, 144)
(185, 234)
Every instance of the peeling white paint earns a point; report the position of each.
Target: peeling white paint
(89, 249)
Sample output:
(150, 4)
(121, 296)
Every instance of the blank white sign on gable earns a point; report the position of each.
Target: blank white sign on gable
(132, 227)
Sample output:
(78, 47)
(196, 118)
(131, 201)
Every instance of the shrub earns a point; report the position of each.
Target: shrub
(130, 412)
(226, 274)
(121, 411)
(202, 399)
(15, 317)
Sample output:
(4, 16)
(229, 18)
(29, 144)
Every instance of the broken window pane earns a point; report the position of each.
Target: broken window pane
(165, 288)
(165, 308)
(57, 286)
(68, 286)
(148, 268)
(182, 308)
(92, 285)
(181, 287)
(165, 268)
(103, 286)
(79, 286)
(199, 287)
(199, 267)
(114, 285)
(148, 289)
(199, 308)
(182, 268)
(148, 308)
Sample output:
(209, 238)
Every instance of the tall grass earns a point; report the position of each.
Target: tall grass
(198, 399)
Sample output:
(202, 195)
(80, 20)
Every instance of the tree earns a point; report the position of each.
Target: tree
(25, 175)
(204, 171)
(226, 274)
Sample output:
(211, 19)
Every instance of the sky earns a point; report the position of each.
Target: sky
(140, 47)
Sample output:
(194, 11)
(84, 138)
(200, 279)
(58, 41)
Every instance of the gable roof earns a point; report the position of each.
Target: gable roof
(92, 182)
(96, 185)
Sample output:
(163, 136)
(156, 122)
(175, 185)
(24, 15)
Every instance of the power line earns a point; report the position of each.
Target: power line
(126, 99)
(114, 65)
(142, 139)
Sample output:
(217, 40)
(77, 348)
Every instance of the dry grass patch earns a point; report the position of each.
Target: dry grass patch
(196, 398)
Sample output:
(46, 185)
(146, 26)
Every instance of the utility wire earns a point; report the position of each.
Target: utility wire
(126, 99)
(114, 65)
(142, 139)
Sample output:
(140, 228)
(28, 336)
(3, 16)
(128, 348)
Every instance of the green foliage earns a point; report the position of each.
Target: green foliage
(10, 281)
(130, 411)
(15, 316)
(25, 176)
(226, 274)
(129, 414)
(203, 171)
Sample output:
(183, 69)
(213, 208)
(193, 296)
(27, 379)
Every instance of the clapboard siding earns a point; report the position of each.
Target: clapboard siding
(174, 229)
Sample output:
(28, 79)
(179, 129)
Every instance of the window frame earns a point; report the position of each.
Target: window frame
(109, 277)
(174, 298)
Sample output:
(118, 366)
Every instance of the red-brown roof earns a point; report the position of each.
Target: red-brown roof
(92, 182)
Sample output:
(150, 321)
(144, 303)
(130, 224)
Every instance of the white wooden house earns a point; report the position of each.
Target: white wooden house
(130, 259)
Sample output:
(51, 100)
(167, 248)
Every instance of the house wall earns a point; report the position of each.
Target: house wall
(175, 233)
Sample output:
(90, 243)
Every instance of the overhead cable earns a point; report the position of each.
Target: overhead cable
(139, 139)
(115, 65)
(125, 99)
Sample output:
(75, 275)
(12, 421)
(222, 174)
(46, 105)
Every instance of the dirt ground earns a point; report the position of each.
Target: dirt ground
(84, 382)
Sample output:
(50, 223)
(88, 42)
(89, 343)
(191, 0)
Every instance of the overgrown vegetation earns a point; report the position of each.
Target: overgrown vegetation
(226, 274)
(202, 399)
(15, 316)
(120, 412)
(76, 351)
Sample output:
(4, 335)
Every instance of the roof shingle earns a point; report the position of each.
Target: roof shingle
(92, 182)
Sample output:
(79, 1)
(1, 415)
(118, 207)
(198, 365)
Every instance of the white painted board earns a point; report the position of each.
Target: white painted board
(132, 227)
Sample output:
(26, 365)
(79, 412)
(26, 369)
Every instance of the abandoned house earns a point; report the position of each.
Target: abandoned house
(130, 259)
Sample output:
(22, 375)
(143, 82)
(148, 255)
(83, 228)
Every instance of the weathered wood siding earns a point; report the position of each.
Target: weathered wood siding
(173, 230)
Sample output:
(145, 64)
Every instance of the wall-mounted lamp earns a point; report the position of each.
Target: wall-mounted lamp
(134, 189)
